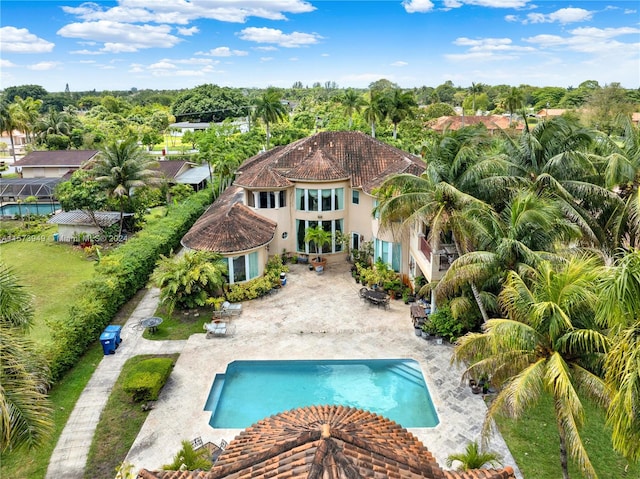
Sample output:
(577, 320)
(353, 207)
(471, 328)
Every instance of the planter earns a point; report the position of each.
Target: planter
(425, 335)
(418, 331)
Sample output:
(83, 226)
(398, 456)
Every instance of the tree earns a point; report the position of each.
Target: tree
(374, 110)
(270, 109)
(25, 413)
(26, 112)
(619, 310)
(400, 106)
(120, 167)
(547, 344)
(513, 101)
(8, 124)
(210, 103)
(352, 103)
(319, 238)
(54, 123)
(189, 459)
(188, 280)
(473, 458)
(81, 192)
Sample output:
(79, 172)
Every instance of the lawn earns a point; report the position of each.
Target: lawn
(533, 441)
(180, 324)
(50, 271)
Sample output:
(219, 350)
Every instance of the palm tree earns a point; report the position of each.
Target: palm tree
(190, 279)
(620, 311)
(8, 124)
(473, 458)
(400, 107)
(54, 123)
(374, 110)
(352, 103)
(25, 413)
(27, 111)
(270, 108)
(319, 238)
(547, 344)
(121, 166)
(513, 101)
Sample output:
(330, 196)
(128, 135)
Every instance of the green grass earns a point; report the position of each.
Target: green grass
(118, 427)
(179, 325)
(534, 444)
(50, 271)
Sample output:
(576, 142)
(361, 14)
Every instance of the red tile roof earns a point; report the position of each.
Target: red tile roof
(229, 226)
(57, 158)
(327, 156)
(326, 442)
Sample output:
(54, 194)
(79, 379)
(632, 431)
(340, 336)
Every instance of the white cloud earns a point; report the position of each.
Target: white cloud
(488, 49)
(487, 3)
(267, 48)
(563, 16)
(20, 40)
(417, 6)
(121, 37)
(593, 40)
(294, 59)
(86, 52)
(162, 65)
(511, 18)
(187, 32)
(399, 64)
(224, 52)
(6, 63)
(42, 66)
(273, 35)
(266, 59)
(182, 12)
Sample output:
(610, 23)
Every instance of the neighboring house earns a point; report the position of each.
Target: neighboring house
(551, 112)
(52, 164)
(326, 179)
(180, 128)
(491, 122)
(19, 142)
(327, 442)
(184, 172)
(77, 223)
(635, 118)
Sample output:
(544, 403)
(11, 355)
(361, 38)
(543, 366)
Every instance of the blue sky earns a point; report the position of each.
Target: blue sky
(173, 44)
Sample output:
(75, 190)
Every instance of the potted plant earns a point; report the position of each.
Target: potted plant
(320, 238)
(426, 330)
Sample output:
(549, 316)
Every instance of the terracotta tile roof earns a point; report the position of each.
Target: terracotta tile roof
(229, 226)
(326, 442)
(81, 218)
(506, 473)
(343, 154)
(492, 122)
(57, 158)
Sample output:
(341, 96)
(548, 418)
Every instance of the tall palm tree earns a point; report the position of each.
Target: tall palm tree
(352, 103)
(547, 344)
(25, 413)
(270, 109)
(401, 106)
(8, 123)
(27, 113)
(54, 123)
(513, 101)
(620, 311)
(374, 110)
(121, 166)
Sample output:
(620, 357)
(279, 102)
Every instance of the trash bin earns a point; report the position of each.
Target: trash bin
(56, 236)
(108, 341)
(283, 279)
(115, 329)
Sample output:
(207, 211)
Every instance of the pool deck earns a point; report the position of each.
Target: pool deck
(315, 316)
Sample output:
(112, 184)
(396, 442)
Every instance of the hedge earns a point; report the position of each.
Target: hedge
(119, 275)
(145, 383)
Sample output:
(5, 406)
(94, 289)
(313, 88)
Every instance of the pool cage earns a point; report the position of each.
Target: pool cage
(15, 190)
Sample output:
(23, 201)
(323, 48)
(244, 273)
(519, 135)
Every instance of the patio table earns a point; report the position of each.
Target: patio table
(151, 323)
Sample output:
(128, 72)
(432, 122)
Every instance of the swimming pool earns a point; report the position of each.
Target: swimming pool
(24, 209)
(252, 390)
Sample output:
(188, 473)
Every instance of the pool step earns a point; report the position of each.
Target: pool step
(214, 394)
(410, 374)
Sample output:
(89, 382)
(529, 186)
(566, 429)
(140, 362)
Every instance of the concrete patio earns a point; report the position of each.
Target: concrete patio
(315, 316)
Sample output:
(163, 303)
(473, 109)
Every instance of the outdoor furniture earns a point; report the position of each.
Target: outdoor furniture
(377, 298)
(216, 329)
(228, 309)
(151, 323)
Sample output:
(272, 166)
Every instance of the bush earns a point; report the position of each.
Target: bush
(444, 324)
(119, 276)
(260, 286)
(145, 383)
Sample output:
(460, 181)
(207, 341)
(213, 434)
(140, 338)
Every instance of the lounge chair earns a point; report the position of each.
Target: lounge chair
(215, 329)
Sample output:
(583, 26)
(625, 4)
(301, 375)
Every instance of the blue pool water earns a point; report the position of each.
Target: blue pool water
(252, 390)
(29, 208)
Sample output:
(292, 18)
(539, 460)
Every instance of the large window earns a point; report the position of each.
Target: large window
(333, 226)
(267, 199)
(243, 268)
(390, 253)
(331, 199)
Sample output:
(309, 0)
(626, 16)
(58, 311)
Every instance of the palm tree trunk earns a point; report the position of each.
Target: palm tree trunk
(373, 129)
(13, 148)
(395, 131)
(268, 135)
(563, 444)
(121, 217)
(474, 288)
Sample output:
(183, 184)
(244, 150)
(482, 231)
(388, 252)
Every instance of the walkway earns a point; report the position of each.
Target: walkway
(70, 454)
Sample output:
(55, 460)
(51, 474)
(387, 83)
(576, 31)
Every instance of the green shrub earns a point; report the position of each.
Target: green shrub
(259, 286)
(145, 383)
(189, 459)
(119, 275)
(444, 324)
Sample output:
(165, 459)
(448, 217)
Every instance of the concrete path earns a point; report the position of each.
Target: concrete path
(70, 454)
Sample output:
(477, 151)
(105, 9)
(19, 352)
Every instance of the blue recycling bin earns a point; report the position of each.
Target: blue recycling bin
(108, 341)
(115, 329)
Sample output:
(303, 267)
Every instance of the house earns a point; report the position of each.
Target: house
(77, 223)
(327, 442)
(52, 164)
(184, 172)
(19, 142)
(493, 123)
(323, 180)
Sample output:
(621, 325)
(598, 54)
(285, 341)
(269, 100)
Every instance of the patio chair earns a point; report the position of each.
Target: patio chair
(232, 308)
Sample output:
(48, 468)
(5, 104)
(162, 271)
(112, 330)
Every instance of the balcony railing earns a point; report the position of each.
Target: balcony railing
(425, 247)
